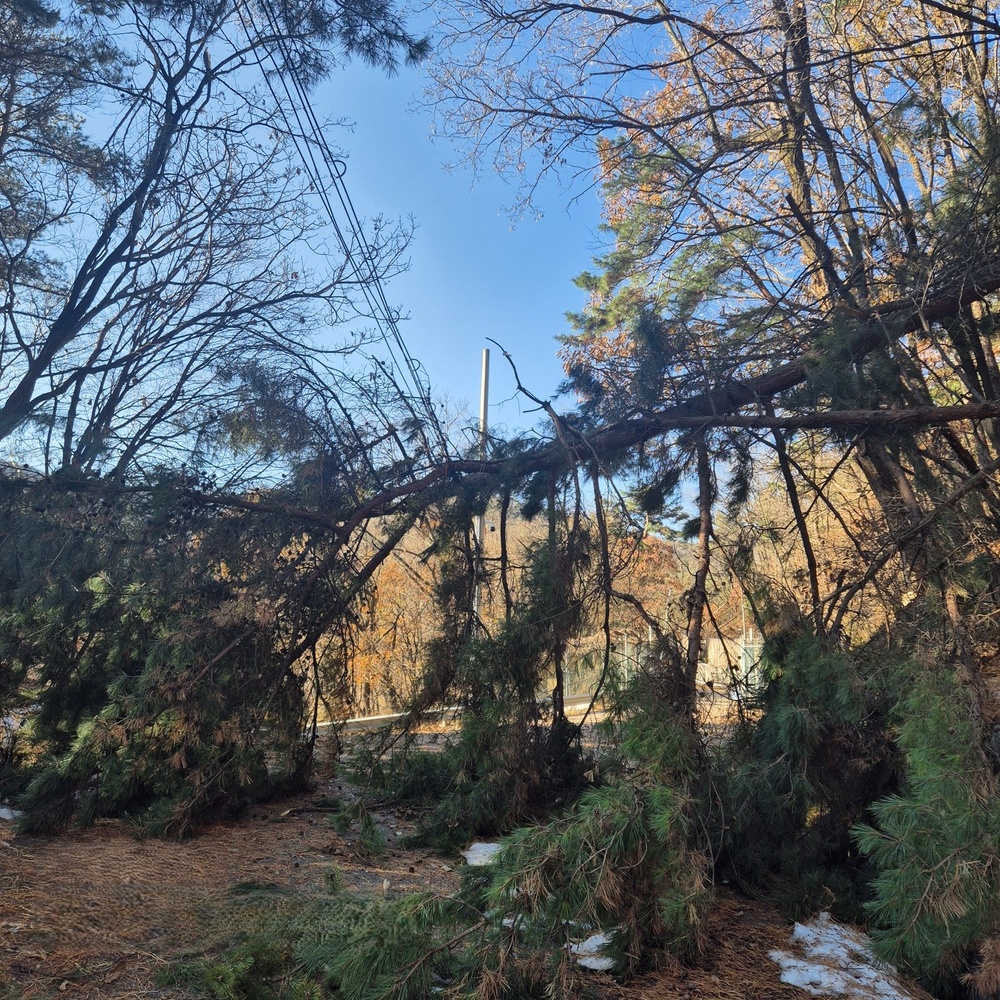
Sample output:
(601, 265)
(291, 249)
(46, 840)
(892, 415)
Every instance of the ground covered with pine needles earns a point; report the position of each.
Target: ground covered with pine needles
(98, 914)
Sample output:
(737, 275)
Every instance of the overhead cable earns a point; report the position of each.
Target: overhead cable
(326, 171)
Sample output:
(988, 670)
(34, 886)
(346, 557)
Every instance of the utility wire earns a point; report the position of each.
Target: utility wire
(325, 173)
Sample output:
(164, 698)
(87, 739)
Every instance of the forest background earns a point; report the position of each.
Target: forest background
(789, 356)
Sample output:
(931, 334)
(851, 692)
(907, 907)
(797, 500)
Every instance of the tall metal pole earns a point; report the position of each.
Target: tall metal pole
(484, 399)
(484, 402)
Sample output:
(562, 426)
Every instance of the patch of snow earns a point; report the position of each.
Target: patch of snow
(833, 960)
(480, 853)
(588, 953)
(10, 815)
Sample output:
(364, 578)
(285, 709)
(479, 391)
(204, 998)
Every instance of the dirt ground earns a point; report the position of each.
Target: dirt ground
(93, 913)
(96, 913)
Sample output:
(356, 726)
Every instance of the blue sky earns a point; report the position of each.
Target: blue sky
(474, 273)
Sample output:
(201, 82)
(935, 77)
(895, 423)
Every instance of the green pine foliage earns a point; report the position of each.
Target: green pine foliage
(164, 749)
(622, 861)
(935, 844)
(248, 945)
(161, 689)
(627, 859)
(371, 840)
(493, 774)
(389, 948)
(263, 943)
(512, 760)
(791, 785)
(394, 767)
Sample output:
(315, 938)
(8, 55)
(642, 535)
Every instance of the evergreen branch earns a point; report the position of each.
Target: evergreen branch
(414, 967)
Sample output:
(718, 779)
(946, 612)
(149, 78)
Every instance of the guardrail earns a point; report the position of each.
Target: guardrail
(573, 705)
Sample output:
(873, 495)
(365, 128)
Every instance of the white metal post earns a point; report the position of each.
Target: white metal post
(484, 402)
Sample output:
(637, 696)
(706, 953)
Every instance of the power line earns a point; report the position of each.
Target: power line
(327, 173)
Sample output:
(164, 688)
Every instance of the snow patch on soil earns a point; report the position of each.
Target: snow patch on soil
(9, 815)
(588, 953)
(480, 853)
(832, 960)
